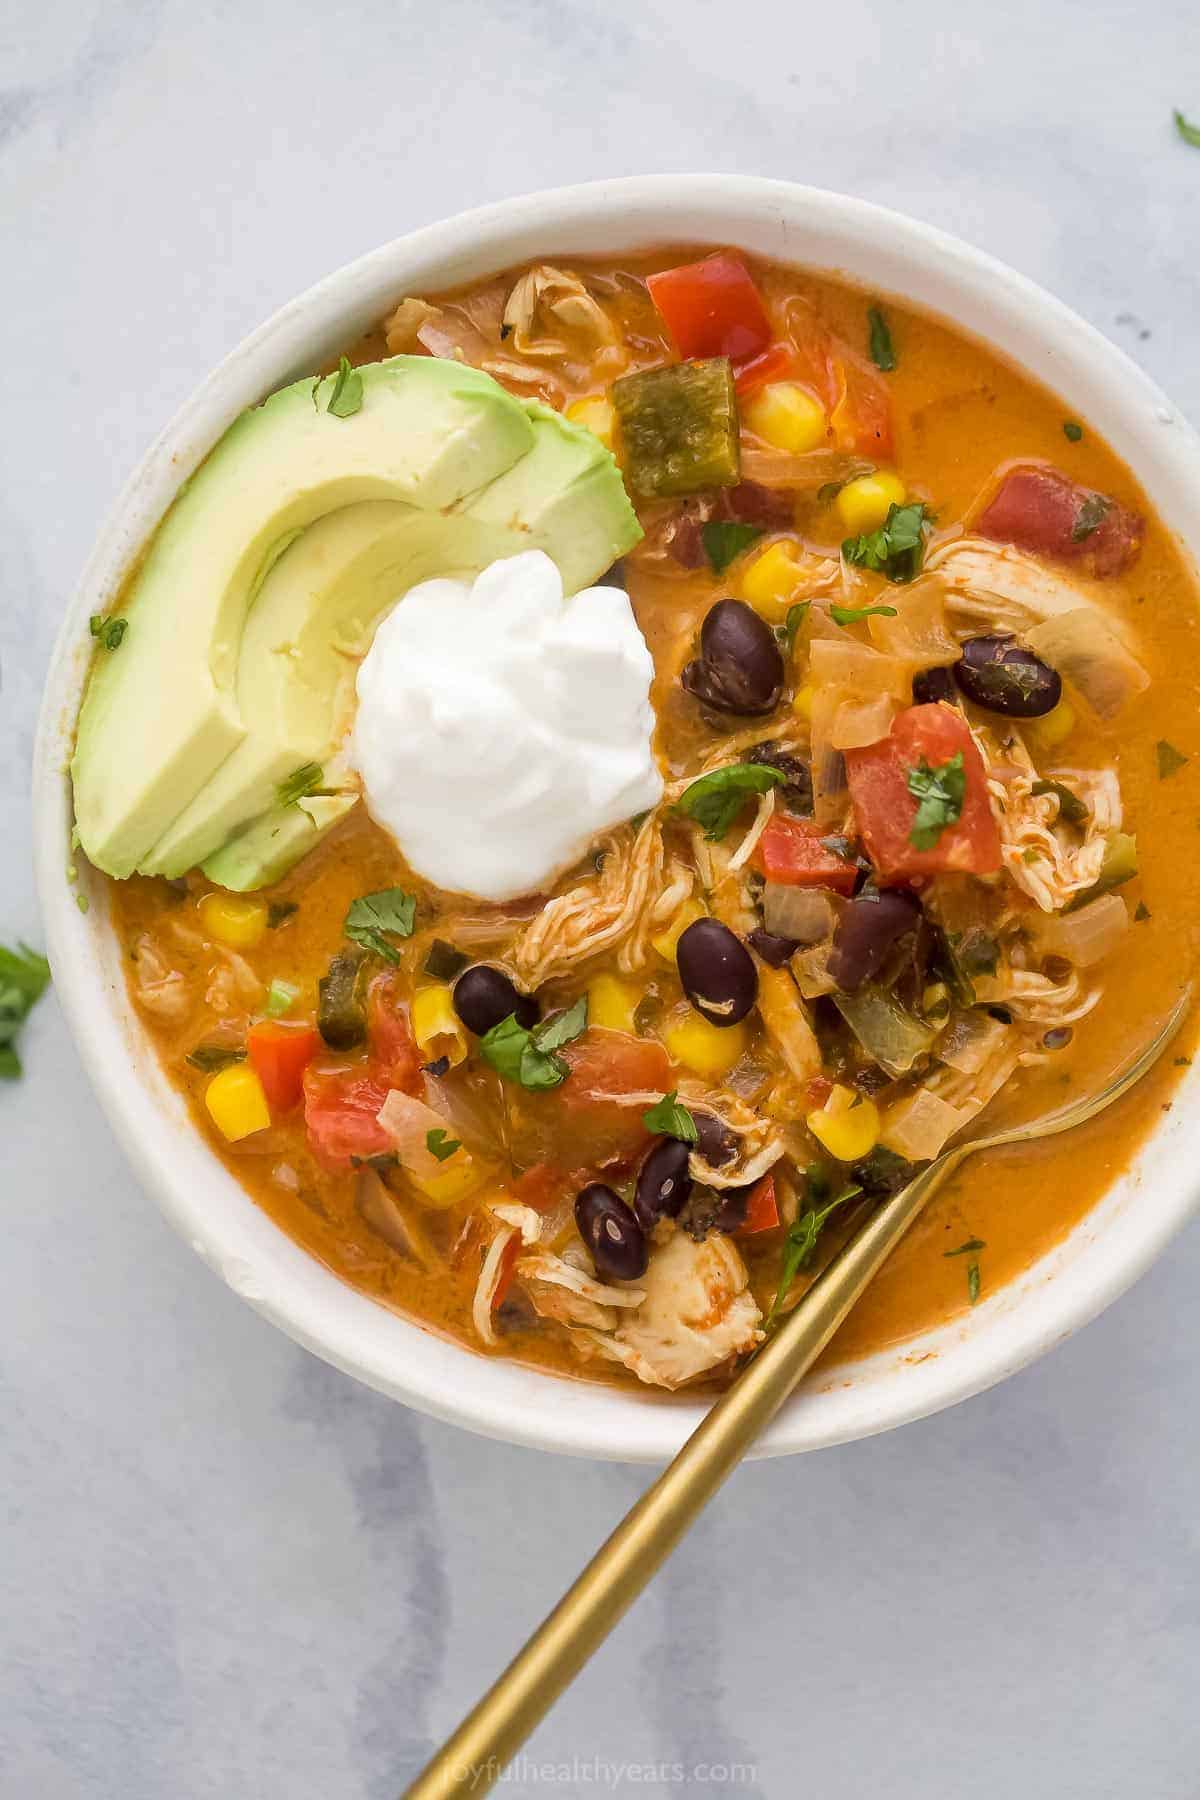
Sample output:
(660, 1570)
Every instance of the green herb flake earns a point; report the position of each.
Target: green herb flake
(968, 1249)
(793, 620)
(725, 539)
(24, 978)
(109, 632)
(279, 912)
(443, 961)
(897, 548)
(210, 1057)
(828, 492)
(716, 799)
(441, 1146)
(854, 615)
(1188, 132)
(374, 918)
(1072, 431)
(1141, 912)
(300, 782)
(671, 1119)
(883, 353)
(528, 1057)
(347, 396)
(1170, 760)
(800, 1244)
(973, 1282)
(281, 997)
(1071, 808)
(1091, 515)
(939, 793)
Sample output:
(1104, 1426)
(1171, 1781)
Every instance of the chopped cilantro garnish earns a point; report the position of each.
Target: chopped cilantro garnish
(671, 1119)
(438, 1144)
(374, 918)
(725, 539)
(109, 631)
(347, 395)
(896, 549)
(800, 1244)
(853, 615)
(528, 1057)
(300, 782)
(1091, 515)
(1072, 431)
(939, 793)
(715, 800)
(1170, 760)
(883, 354)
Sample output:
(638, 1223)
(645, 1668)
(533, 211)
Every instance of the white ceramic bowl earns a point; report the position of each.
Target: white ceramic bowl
(1105, 1253)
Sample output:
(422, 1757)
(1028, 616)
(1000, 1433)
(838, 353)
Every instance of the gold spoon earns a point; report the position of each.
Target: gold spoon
(474, 1757)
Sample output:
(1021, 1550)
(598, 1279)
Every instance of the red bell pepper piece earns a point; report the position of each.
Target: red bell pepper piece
(712, 308)
(793, 851)
(886, 810)
(762, 1208)
(279, 1055)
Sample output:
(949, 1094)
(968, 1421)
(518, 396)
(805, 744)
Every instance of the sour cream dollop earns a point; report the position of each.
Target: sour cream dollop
(501, 728)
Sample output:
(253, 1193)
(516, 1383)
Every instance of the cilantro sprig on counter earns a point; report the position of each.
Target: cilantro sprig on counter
(24, 978)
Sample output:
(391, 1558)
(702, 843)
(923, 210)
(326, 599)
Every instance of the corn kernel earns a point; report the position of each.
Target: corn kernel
(453, 1181)
(786, 416)
(802, 701)
(708, 1050)
(770, 581)
(863, 504)
(665, 941)
(236, 1102)
(1056, 726)
(436, 1026)
(597, 414)
(847, 1125)
(233, 920)
(611, 1004)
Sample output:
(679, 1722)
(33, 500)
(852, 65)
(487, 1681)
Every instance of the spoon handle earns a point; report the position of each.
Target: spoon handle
(473, 1758)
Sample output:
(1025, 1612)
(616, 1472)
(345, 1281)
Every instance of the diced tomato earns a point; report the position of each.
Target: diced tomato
(600, 1129)
(393, 1047)
(341, 1106)
(885, 809)
(793, 851)
(280, 1054)
(712, 308)
(762, 1209)
(543, 1186)
(818, 1088)
(862, 416)
(1040, 509)
(775, 364)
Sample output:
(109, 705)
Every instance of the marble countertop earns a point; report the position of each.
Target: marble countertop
(226, 1572)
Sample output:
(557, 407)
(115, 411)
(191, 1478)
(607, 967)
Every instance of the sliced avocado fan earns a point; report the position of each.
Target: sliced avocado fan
(267, 579)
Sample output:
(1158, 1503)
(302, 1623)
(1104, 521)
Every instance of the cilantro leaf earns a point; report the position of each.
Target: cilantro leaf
(300, 782)
(716, 799)
(281, 997)
(390, 911)
(109, 631)
(1070, 806)
(973, 1282)
(897, 548)
(883, 354)
(851, 615)
(1091, 515)
(725, 539)
(441, 1146)
(527, 1057)
(1072, 431)
(939, 793)
(1170, 760)
(799, 1246)
(347, 395)
(671, 1119)
(215, 1055)
(24, 978)
(967, 1249)
(1188, 132)
(794, 619)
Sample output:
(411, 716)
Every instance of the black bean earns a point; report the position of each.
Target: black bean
(611, 1232)
(1058, 1038)
(796, 794)
(740, 666)
(716, 1143)
(1004, 677)
(933, 684)
(866, 932)
(483, 996)
(772, 949)
(717, 972)
(731, 1212)
(663, 1183)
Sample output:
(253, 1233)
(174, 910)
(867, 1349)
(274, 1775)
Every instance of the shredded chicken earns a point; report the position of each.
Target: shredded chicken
(549, 307)
(159, 988)
(560, 1290)
(486, 1288)
(1040, 1000)
(697, 1311)
(1049, 861)
(402, 328)
(524, 1218)
(638, 888)
(1001, 588)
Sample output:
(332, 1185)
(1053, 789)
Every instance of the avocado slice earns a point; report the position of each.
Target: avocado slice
(318, 609)
(161, 712)
(275, 843)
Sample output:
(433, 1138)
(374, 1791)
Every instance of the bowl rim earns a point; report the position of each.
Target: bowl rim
(1098, 1260)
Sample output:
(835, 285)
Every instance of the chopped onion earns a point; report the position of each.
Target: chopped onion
(1084, 651)
(918, 635)
(806, 915)
(891, 1035)
(811, 971)
(779, 468)
(919, 1126)
(969, 1040)
(381, 1211)
(861, 722)
(409, 1122)
(861, 672)
(1084, 937)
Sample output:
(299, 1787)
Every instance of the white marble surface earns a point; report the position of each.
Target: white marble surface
(226, 1572)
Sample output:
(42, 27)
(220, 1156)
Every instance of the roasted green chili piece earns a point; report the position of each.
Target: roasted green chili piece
(679, 428)
(341, 1006)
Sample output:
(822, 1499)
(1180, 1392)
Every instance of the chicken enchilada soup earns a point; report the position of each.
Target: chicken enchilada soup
(603, 783)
